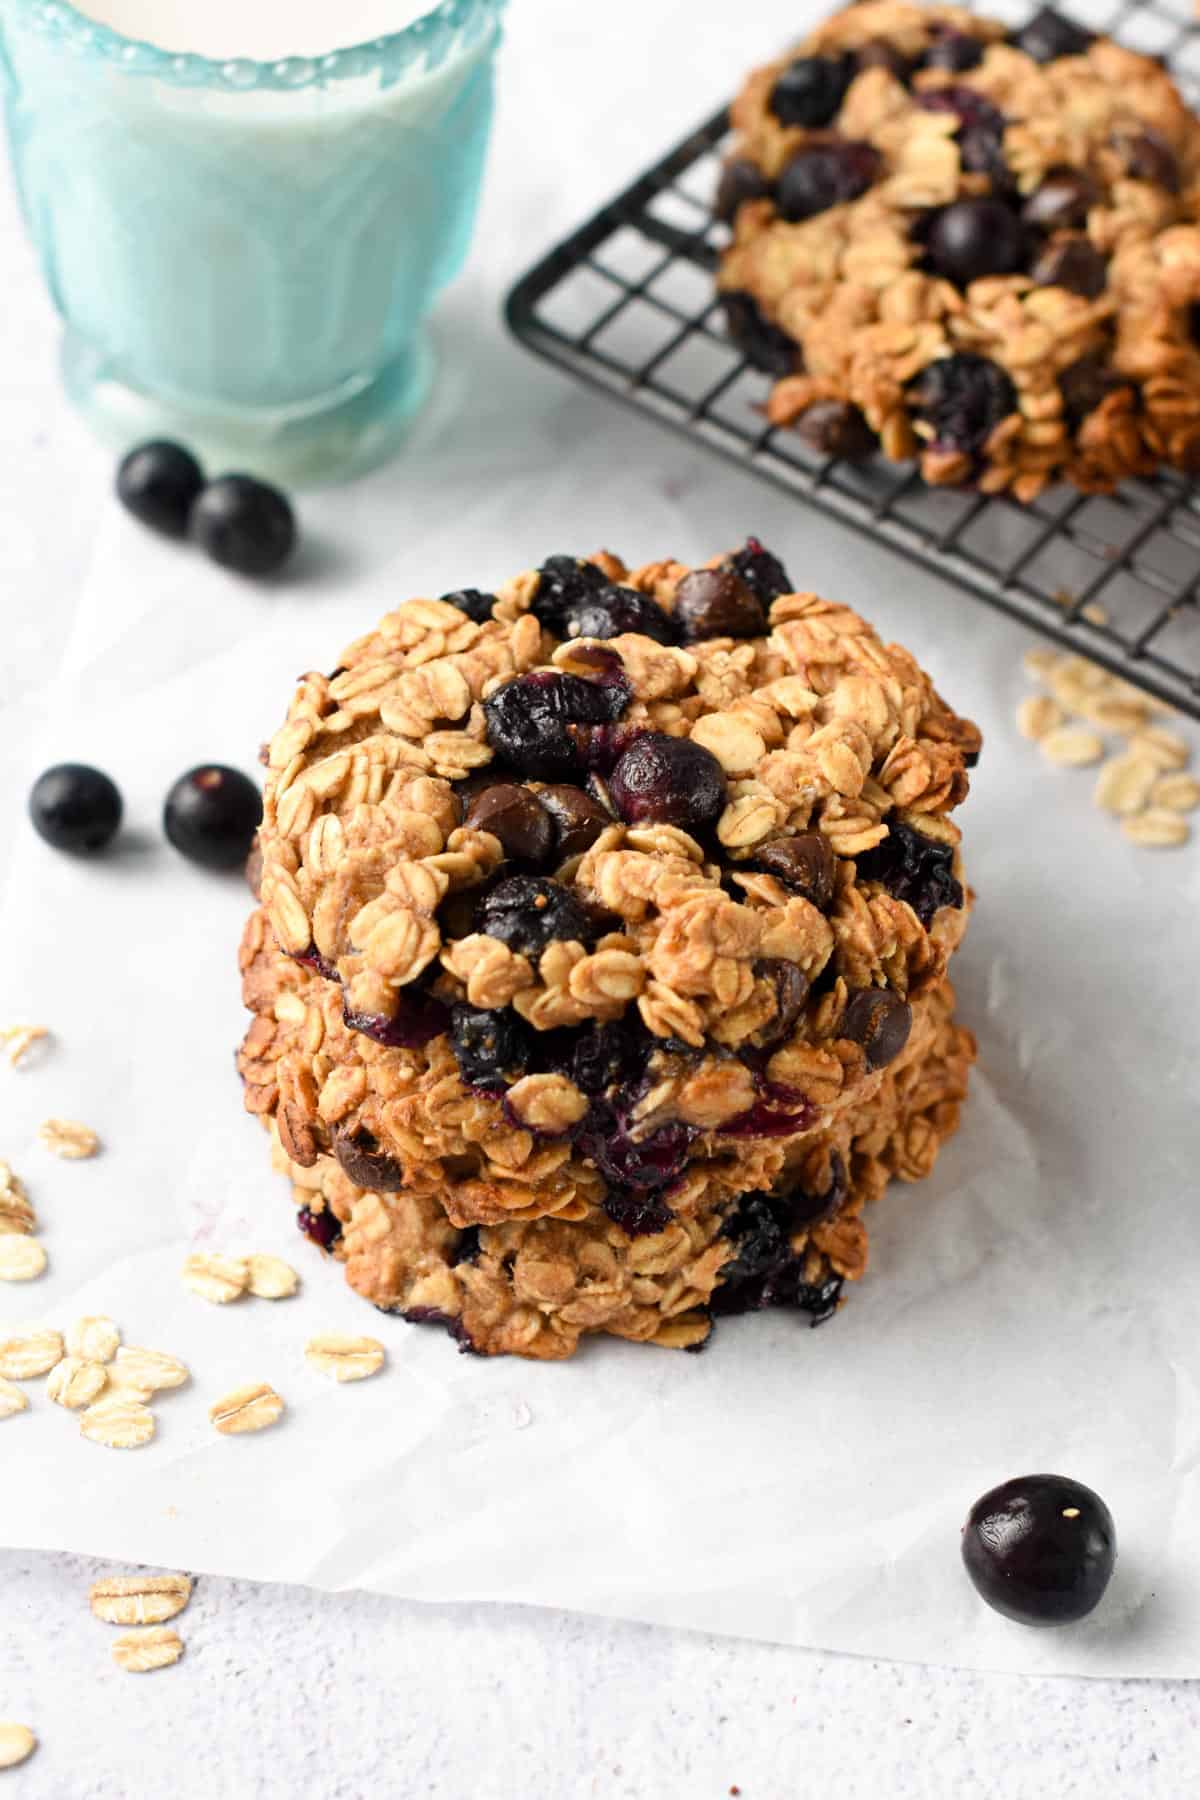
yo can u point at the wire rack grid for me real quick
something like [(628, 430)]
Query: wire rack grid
[(626, 303)]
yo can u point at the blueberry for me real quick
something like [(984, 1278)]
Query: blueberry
[(492, 1049), (578, 819), (1049, 35), (604, 1056), (324, 1227), (760, 342), (517, 818), (765, 1271), (75, 807), (527, 912), (211, 815), (365, 1163), (810, 90), (1072, 263), (712, 603), (639, 1212), (244, 524), (1040, 1549), (956, 51), (159, 483), (474, 602), (913, 868), (741, 180), (878, 1020), (835, 428), (628, 1158), (763, 573), (1062, 200), (964, 397), (668, 780), (415, 1019), (825, 175), (805, 864), (528, 719), (610, 610), (971, 239), (564, 582)]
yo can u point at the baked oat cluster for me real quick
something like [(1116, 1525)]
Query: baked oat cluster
[(975, 247), (599, 975)]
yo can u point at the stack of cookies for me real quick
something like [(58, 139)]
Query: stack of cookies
[(599, 971), (976, 246)]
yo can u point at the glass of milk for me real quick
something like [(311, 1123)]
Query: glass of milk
[(243, 224)]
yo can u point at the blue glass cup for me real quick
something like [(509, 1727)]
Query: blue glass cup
[(244, 254)]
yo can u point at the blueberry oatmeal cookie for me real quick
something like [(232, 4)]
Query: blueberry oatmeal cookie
[(602, 900), (975, 247)]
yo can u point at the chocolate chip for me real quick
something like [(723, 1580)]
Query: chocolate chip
[(878, 1020), (1149, 157), (836, 429), (712, 603), (1072, 263), (1062, 201), (740, 180), (1085, 385), (515, 816), (577, 819), (791, 991), (365, 1163), (805, 864)]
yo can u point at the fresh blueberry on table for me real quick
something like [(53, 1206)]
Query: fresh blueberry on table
[(244, 524), (159, 483), (1040, 1549), (211, 815), (75, 807)]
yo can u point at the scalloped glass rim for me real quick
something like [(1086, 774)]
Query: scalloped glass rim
[(428, 38)]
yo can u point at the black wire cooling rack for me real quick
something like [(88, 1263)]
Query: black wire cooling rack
[(627, 304)]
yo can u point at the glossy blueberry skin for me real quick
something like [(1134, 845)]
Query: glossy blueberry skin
[(211, 815), (1040, 1549), (244, 524), (159, 483), (75, 807)]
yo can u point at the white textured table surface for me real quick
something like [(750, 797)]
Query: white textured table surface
[(289, 1692)]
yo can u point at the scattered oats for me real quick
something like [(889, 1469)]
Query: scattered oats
[(1041, 662), (21, 1258), (1112, 713), (148, 1371), (1071, 747), (74, 1383), (20, 1040), (139, 1599), (121, 1424), (1166, 749), (12, 1399), (250, 1408), (1157, 829), (16, 1743), (33, 1351), (216, 1278), (1178, 793), (271, 1278), (95, 1338), (1094, 613), (1038, 714), (16, 1212), (141, 1651), (69, 1139), (1124, 783), (345, 1358)]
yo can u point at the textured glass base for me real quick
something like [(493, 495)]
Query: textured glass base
[(295, 446)]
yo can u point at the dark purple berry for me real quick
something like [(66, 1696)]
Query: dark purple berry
[(811, 1206), (517, 818), (1049, 35), (628, 1158), (1072, 263), (975, 238), (159, 483), (417, 1018), (611, 610), (1062, 201), (810, 90), (825, 175), (765, 1271), (527, 912), (1040, 1549), (805, 864), (565, 581), (835, 428), (1149, 157), (956, 51), (324, 1227), (760, 342), (244, 524), (604, 1056), (577, 819), (492, 1049), (781, 1113), (75, 807), (668, 780), (211, 815), (913, 868), (964, 397), (741, 180), (1085, 384), (763, 573), (878, 1020), (711, 603), (640, 1212), (474, 602), (528, 719), (312, 959), (365, 1163)]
